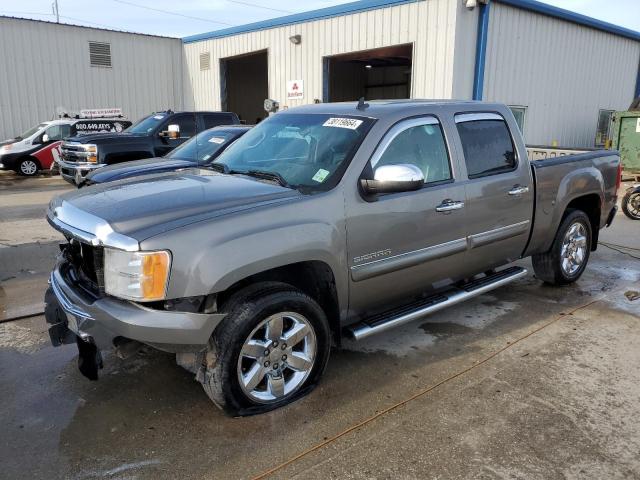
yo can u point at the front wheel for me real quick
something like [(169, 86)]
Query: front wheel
[(28, 167), (271, 348), (631, 204), (567, 258)]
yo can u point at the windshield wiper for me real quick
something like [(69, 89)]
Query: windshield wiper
[(218, 167), (262, 174)]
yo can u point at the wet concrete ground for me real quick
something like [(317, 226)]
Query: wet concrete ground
[(560, 403)]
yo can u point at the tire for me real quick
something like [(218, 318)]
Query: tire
[(631, 204), (568, 256), (28, 167), (229, 382)]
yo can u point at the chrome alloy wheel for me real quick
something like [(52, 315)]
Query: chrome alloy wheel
[(277, 357), (574, 248), (28, 167)]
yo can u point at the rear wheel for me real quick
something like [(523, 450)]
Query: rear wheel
[(567, 258), (270, 349), (28, 167), (631, 204)]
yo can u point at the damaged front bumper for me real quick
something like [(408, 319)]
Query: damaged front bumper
[(100, 323)]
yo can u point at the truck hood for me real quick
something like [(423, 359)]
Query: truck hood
[(111, 138), (144, 207), (147, 166)]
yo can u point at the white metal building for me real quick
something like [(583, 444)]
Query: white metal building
[(47, 68), (562, 73)]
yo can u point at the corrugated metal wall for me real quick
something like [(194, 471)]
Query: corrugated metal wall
[(45, 66), (562, 72), (430, 25)]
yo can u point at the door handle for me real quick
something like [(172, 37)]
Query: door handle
[(518, 190), (449, 205)]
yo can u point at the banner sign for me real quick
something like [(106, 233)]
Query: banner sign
[(101, 113)]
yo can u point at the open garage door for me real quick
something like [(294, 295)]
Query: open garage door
[(245, 85), (382, 73)]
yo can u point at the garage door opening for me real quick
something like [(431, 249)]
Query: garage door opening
[(244, 85), (383, 73)]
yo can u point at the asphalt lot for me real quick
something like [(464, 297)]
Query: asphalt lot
[(528, 381)]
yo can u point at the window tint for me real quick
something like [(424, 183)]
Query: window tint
[(422, 146), (487, 146), (213, 120), (187, 125)]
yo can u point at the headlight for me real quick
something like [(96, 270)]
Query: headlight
[(141, 276), (92, 153)]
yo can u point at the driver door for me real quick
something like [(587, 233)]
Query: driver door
[(404, 244), (187, 128)]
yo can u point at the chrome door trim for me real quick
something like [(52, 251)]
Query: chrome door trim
[(472, 117), (405, 260), (497, 234), (449, 206)]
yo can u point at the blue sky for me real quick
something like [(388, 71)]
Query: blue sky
[(198, 16)]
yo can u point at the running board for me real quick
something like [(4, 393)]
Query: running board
[(408, 313)]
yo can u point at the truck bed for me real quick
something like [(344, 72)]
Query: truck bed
[(562, 179)]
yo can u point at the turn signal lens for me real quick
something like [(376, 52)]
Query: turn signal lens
[(141, 276)]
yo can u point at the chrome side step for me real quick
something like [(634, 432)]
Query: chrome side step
[(383, 322)]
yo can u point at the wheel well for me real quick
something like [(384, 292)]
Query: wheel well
[(314, 278), (589, 204)]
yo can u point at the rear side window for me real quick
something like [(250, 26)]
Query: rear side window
[(487, 145), (214, 119)]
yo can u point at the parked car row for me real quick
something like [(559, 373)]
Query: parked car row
[(322, 222), (39, 147)]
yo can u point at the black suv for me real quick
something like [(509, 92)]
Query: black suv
[(152, 136)]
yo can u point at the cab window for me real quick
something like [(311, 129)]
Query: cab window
[(58, 132), (486, 143), (422, 145)]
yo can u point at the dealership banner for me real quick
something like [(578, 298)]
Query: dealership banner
[(101, 112)]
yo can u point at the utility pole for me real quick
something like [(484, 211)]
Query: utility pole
[(54, 5)]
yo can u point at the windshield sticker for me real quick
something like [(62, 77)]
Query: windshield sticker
[(350, 123), (158, 117), (206, 157), (217, 140), (320, 175)]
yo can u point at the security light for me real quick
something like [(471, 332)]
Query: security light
[(295, 39)]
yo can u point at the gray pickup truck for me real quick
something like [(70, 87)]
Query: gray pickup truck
[(323, 221)]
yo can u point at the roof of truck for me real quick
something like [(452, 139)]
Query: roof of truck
[(380, 108)]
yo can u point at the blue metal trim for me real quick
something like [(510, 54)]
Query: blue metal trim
[(637, 94), (481, 51), (573, 17), (335, 11)]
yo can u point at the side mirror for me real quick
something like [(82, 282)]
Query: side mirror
[(402, 177), (45, 138), (173, 132)]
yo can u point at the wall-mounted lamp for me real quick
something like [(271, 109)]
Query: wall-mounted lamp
[(296, 39), (471, 4)]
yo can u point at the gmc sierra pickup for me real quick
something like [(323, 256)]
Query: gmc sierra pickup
[(322, 221), (152, 136)]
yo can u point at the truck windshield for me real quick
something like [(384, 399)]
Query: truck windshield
[(205, 146), (31, 131), (307, 151), (147, 124)]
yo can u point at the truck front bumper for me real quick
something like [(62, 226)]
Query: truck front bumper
[(73, 315), (74, 173)]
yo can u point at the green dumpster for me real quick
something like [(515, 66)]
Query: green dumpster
[(625, 131)]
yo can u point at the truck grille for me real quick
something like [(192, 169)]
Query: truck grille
[(73, 152), (87, 262)]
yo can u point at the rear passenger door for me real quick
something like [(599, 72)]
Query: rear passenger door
[(498, 189), (210, 120)]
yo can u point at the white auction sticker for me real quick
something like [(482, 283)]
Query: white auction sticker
[(217, 140), (341, 122), (320, 175)]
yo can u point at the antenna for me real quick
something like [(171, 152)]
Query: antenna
[(56, 12), (361, 104)]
